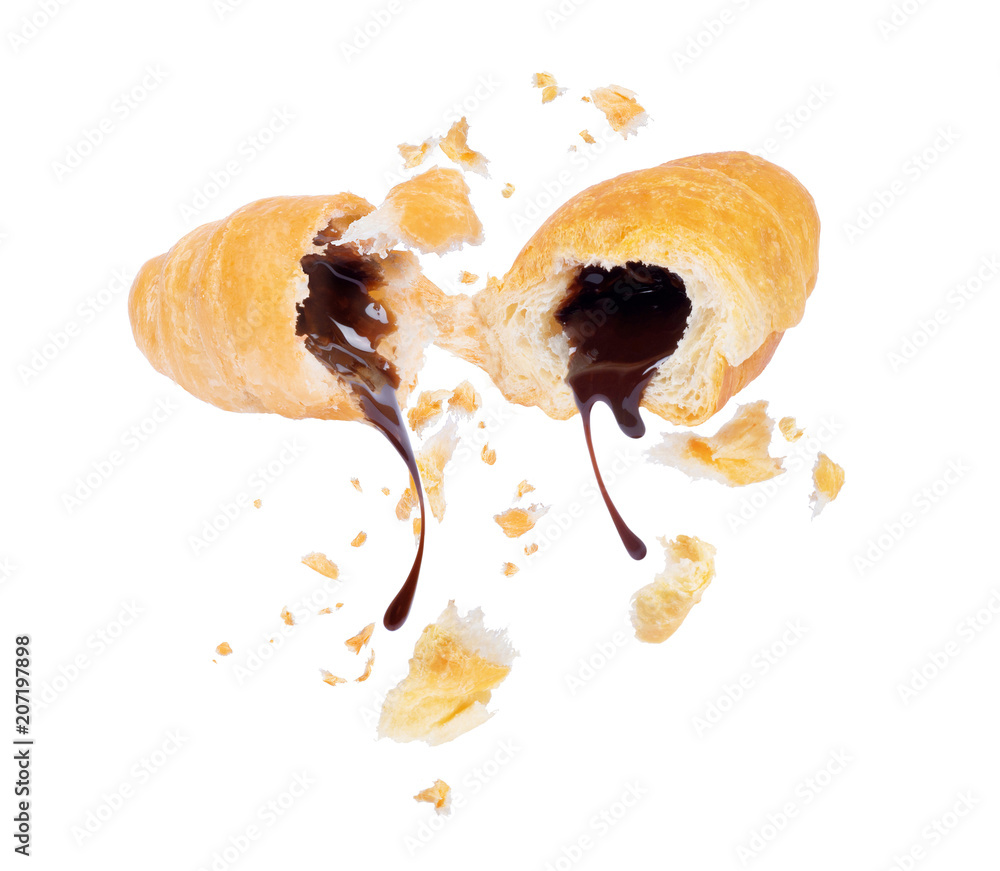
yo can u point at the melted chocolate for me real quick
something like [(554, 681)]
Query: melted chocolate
[(343, 323), (622, 323)]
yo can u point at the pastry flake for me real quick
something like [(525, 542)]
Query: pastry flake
[(515, 522), (659, 608), (406, 503), (224, 649), (509, 569), (456, 146), (361, 639), (524, 487), (465, 398), (257, 503), (413, 155), (319, 562), (432, 459), (430, 212), (457, 663), (529, 549), (621, 108), (550, 88), (466, 277), (586, 137), (736, 455), (790, 429), (356, 484), (359, 539), (488, 454), (438, 795), (427, 410), (367, 673), (287, 617), (507, 191), (330, 678), (828, 478)]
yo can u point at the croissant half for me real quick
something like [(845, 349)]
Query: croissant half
[(742, 234)]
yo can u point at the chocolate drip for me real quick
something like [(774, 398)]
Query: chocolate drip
[(343, 322), (623, 323)]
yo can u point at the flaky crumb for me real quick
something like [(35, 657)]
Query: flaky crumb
[(367, 673), (736, 455), (659, 608), (413, 155), (325, 611), (287, 617), (550, 88), (404, 507), (456, 664), (427, 410), (456, 146), (509, 569), (529, 549), (507, 191), (330, 678), (465, 277), (621, 108), (319, 562), (418, 524), (465, 398), (828, 478), (224, 649), (438, 795), (361, 639), (356, 484), (385, 491), (524, 487), (586, 137), (432, 460), (489, 455), (482, 424), (515, 522), (584, 99), (359, 539), (257, 503), (790, 429)]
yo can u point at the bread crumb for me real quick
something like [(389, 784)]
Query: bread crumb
[(325, 611), (356, 484), (457, 663), (736, 455), (361, 639), (584, 99), (330, 678), (465, 277), (257, 503), (434, 456), (224, 649), (507, 191), (489, 455), (659, 608), (586, 137), (790, 430), (404, 506), (509, 569), (515, 522), (828, 478), (359, 539), (456, 146), (621, 108), (550, 88), (524, 487), (482, 424), (529, 549), (286, 615), (427, 410), (367, 673), (438, 795), (413, 155), (385, 491), (465, 398), (430, 212), (319, 562)]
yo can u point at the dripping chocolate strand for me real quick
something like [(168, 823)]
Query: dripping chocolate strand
[(623, 323)]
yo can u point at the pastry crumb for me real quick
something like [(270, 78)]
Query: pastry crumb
[(524, 487), (257, 503), (586, 137), (828, 478), (482, 424), (325, 611), (330, 678), (456, 146), (287, 617), (224, 649), (361, 639), (359, 539), (529, 549), (515, 522), (489, 455), (438, 795), (413, 155), (735, 456), (319, 562), (550, 87), (659, 608), (427, 410), (457, 663), (621, 108), (509, 569), (465, 398), (790, 429), (385, 491), (356, 484), (432, 460), (407, 501), (367, 673), (418, 524), (466, 277), (507, 191)]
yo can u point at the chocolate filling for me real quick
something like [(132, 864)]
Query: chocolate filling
[(623, 323), (343, 322)]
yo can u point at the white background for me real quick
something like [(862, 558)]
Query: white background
[(854, 108)]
